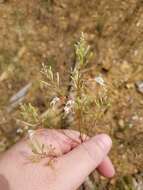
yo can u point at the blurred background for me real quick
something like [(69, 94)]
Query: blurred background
[(37, 31)]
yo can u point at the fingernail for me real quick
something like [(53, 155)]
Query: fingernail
[(104, 141)]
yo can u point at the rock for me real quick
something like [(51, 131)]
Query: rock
[(120, 136), (21, 93), (121, 123), (6, 73), (135, 118), (139, 86), (17, 98), (106, 65), (129, 85), (100, 80)]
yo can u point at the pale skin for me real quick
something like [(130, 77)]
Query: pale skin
[(74, 161)]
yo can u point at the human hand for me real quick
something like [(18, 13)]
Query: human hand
[(73, 162)]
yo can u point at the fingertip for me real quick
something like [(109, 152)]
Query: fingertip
[(106, 168), (84, 159)]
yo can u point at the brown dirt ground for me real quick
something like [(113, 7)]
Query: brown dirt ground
[(36, 31)]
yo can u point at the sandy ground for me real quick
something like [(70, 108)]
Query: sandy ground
[(36, 31)]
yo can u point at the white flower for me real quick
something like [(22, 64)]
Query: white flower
[(67, 109), (54, 101), (69, 105), (19, 130), (100, 80), (31, 134)]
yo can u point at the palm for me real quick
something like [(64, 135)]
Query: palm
[(64, 167)]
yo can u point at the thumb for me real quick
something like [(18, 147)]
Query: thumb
[(81, 161)]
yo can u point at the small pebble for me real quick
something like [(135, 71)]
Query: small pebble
[(119, 136), (106, 66), (139, 86), (129, 85), (100, 80), (135, 118), (121, 123)]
